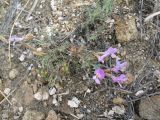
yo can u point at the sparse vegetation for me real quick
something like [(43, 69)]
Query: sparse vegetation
[(99, 11), (60, 49)]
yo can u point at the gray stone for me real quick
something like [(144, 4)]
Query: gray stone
[(149, 108), (126, 30), (33, 115), (52, 115), (24, 95), (13, 74)]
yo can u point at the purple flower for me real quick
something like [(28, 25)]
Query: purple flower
[(119, 66), (15, 38), (120, 79), (99, 75), (111, 51), (97, 80)]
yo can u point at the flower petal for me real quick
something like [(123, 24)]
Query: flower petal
[(96, 79), (101, 58), (120, 79), (100, 73), (111, 51), (119, 66)]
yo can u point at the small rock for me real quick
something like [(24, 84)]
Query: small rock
[(13, 74), (89, 111), (45, 96), (52, 91), (52, 115), (7, 91), (126, 29), (119, 110), (16, 117), (22, 57), (105, 113), (39, 49), (33, 115), (30, 67), (80, 116), (60, 18), (36, 30), (55, 102), (118, 100), (74, 103), (111, 113), (20, 109), (149, 108), (29, 18), (5, 116), (41, 96), (24, 95), (38, 96), (88, 91), (139, 93), (60, 98)]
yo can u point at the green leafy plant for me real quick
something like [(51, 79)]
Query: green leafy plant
[(95, 18), (102, 9)]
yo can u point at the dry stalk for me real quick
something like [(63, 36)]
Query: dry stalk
[(151, 16), (9, 45), (32, 9), (5, 97)]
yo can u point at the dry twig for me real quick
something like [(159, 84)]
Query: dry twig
[(5, 97), (9, 45), (32, 9), (151, 16)]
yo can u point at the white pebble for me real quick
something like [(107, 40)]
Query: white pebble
[(119, 110), (30, 67), (111, 113), (55, 102), (38, 96), (80, 116), (7, 91), (20, 109), (105, 113), (60, 18), (52, 91), (29, 18), (41, 96), (39, 49), (139, 93), (35, 30), (74, 103), (22, 57), (45, 96), (16, 117), (88, 91)]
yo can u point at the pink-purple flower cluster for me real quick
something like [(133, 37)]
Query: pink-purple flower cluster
[(110, 52), (99, 75), (117, 74)]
